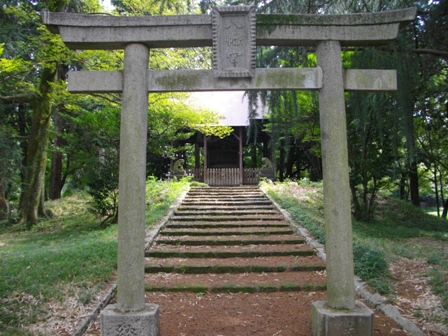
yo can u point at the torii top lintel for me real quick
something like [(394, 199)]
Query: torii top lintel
[(87, 31)]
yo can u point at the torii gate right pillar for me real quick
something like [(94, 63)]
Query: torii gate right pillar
[(340, 313)]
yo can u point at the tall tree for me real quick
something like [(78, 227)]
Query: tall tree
[(52, 52), (46, 53)]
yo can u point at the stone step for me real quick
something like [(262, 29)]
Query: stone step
[(216, 202), (221, 218), (236, 282), (228, 190), (238, 197), (224, 232), (226, 201), (223, 251), (226, 207), (231, 192), (230, 240), (235, 265), (225, 254), (228, 212), (219, 269), (243, 197), (224, 224), (240, 240)]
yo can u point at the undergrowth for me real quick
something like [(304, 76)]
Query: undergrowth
[(70, 250), (384, 239)]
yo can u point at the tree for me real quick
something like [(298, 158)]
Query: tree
[(51, 52), (47, 56)]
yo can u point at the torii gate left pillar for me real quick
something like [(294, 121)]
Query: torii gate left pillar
[(131, 316), (340, 314)]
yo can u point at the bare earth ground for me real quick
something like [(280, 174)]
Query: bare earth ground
[(278, 313), (414, 299), (270, 314)]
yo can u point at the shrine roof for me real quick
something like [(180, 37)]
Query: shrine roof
[(231, 105)]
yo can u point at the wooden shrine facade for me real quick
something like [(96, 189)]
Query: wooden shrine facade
[(223, 159)]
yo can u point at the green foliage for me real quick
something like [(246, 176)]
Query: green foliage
[(435, 259), (103, 187), (11, 155), (139, 7), (37, 266), (370, 262), (66, 256), (160, 195), (303, 213), (402, 214), (293, 118), (394, 233), (439, 282)]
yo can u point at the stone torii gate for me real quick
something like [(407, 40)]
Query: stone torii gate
[(234, 32)]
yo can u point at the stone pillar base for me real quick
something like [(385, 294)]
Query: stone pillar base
[(333, 322), (141, 323)]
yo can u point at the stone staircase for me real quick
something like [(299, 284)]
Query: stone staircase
[(230, 240)]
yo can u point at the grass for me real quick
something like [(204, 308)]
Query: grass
[(432, 211), (67, 251), (399, 230), (69, 255)]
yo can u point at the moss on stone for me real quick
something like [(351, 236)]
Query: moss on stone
[(186, 81)]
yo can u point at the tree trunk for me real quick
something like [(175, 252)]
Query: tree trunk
[(413, 183), (442, 195), (315, 168), (41, 212), (436, 187), (290, 160), (411, 157), (37, 150), (56, 162), (445, 209), (403, 194), (356, 206), (281, 161), (253, 156), (3, 204), (56, 180)]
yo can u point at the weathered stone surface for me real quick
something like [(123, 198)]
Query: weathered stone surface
[(142, 323), (177, 169), (234, 45), (337, 211), (198, 80), (370, 80), (204, 80), (81, 31), (267, 169), (331, 322), (132, 178)]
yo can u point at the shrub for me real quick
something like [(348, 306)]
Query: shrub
[(103, 187), (369, 262)]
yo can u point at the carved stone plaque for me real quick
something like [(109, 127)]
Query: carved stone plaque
[(234, 41)]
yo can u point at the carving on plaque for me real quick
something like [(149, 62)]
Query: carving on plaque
[(234, 41)]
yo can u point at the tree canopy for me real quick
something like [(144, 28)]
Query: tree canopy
[(52, 141)]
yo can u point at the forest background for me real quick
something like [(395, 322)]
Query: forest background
[(53, 143)]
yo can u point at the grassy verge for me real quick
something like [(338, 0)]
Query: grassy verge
[(68, 255), (399, 230)]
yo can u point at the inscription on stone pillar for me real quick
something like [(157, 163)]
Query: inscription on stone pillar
[(234, 41)]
